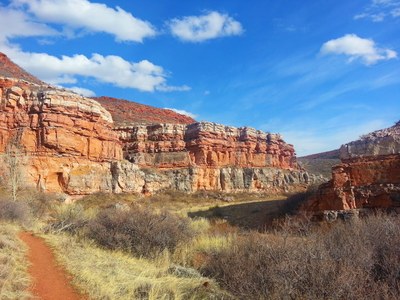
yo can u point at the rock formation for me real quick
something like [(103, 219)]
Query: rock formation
[(367, 177), (72, 145)]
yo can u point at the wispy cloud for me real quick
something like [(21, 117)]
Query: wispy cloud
[(205, 27), (82, 91), (355, 47), (170, 88), (92, 17), (182, 112), (379, 10)]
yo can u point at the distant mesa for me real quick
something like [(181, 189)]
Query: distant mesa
[(320, 163), (333, 154)]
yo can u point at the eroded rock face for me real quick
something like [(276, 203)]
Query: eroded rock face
[(367, 177), (209, 156), (205, 144), (70, 144), (56, 130)]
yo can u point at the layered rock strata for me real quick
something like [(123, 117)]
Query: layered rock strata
[(204, 144), (69, 144), (209, 156), (367, 177), (56, 131)]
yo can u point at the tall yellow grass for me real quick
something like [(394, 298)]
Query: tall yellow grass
[(14, 277), (104, 274)]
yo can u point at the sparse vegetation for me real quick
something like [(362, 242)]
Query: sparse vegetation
[(354, 260), (14, 278), (16, 211), (139, 231), (106, 274), (139, 251)]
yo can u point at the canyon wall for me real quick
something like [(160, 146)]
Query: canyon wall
[(367, 177), (57, 132), (71, 145), (209, 156)]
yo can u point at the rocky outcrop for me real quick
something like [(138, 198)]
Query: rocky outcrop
[(205, 144), (367, 177), (209, 156), (70, 144), (56, 131)]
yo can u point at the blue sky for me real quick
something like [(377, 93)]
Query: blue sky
[(319, 72)]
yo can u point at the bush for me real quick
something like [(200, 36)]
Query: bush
[(139, 231), (67, 218), (294, 201), (353, 260), (14, 211)]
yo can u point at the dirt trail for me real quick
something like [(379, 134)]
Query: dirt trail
[(50, 281)]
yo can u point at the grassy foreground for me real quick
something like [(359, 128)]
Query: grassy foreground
[(105, 274), (14, 278)]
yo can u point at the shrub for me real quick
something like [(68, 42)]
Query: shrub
[(294, 201), (14, 211), (68, 218), (348, 260), (139, 231)]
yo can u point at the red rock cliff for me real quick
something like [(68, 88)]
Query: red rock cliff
[(205, 144), (71, 145), (56, 130), (368, 177)]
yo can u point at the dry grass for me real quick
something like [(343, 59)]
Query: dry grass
[(354, 260), (105, 274), (14, 277), (139, 231)]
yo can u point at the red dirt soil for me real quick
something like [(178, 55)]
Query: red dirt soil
[(126, 112), (50, 281)]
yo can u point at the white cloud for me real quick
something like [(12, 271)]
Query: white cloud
[(379, 10), (95, 17), (358, 48), (15, 23), (182, 112), (82, 91), (143, 75), (168, 88), (201, 28)]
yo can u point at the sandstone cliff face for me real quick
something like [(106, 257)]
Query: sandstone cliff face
[(56, 130), (204, 144), (209, 156), (71, 145), (368, 177)]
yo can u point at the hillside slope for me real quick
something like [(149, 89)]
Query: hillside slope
[(320, 163), (126, 112), (10, 69)]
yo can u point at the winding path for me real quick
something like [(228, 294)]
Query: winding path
[(50, 281)]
